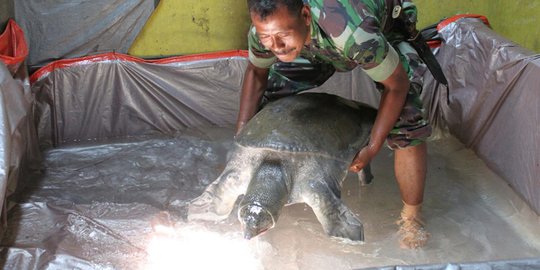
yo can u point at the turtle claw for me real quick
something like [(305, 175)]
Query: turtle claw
[(353, 233), (364, 176), (346, 226)]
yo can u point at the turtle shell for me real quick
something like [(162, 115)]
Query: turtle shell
[(316, 123)]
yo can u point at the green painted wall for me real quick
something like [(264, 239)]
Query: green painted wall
[(516, 20), (193, 26)]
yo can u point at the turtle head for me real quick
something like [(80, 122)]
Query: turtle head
[(255, 220)]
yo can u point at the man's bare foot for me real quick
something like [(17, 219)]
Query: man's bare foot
[(412, 232), (411, 228)]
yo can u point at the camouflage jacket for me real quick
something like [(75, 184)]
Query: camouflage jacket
[(345, 33)]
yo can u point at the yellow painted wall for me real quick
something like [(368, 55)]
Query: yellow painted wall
[(180, 27)]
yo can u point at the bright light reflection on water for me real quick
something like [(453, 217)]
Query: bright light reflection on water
[(196, 248)]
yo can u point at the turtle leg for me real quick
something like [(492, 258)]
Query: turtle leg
[(364, 176), (321, 191), (218, 199)]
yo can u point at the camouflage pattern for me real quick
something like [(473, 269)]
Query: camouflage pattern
[(412, 128), (290, 78), (346, 34)]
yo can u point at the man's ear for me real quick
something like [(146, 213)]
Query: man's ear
[(306, 14)]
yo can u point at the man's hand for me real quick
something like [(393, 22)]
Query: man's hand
[(363, 157), (392, 99), (239, 126)]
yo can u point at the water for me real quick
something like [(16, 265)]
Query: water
[(96, 205)]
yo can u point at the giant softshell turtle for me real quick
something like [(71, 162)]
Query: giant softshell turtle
[(296, 149)]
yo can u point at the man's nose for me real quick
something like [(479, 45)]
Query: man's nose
[(277, 44)]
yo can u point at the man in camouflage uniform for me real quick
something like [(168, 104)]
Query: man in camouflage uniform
[(340, 35)]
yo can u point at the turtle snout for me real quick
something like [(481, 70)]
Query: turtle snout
[(255, 220), (250, 233)]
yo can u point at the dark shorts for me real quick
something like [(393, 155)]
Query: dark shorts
[(411, 129)]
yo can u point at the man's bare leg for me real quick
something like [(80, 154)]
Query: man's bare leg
[(410, 168)]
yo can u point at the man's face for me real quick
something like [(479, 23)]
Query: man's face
[(284, 33)]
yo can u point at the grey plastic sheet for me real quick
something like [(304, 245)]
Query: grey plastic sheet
[(18, 146), (68, 29), (118, 97), (113, 96), (493, 106), (533, 264)]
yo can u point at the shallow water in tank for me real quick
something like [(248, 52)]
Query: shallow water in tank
[(122, 205)]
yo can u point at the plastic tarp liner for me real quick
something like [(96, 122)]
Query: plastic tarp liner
[(113, 96), (494, 102), (133, 97), (120, 96), (532, 264), (13, 47), (68, 29), (18, 146)]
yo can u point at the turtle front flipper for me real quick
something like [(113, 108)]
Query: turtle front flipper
[(336, 218), (364, 176), (215, 203), (218, 199)]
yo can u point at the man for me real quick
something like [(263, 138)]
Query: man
[(341, 35)]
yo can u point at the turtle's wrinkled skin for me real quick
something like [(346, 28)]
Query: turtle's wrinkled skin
[(296, 149)]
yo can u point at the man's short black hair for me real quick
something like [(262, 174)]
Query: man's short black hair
[(264, 8)]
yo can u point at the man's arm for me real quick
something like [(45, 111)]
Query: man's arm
[(253, 87), (392, 101)]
